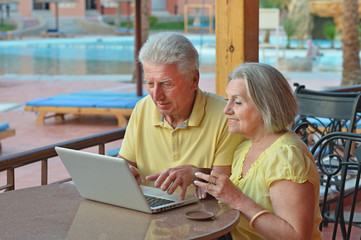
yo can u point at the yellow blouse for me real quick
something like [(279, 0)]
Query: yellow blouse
[(286, 159)]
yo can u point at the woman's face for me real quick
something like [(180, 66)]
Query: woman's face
[(243, 116)]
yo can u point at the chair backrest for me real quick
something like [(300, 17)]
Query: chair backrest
[(338, 168), (325, 112)]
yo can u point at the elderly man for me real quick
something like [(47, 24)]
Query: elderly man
[(178, 127)]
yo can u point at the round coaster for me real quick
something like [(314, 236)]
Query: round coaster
[(199, 215)]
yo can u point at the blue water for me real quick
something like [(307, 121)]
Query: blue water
[(73, 56), (115, 55)]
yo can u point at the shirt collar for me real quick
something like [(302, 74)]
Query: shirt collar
[(195, 117)]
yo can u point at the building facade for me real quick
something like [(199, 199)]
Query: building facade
[(107, 7)]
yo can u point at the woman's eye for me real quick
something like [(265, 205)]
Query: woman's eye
[(238, 102), (226, 99)]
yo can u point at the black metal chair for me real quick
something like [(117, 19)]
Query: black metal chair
[(336, 165), (322, 112)]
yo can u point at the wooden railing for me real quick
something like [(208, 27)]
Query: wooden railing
[(43, 154), (354, 88)]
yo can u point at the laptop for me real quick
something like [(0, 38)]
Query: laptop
[(109, 180)]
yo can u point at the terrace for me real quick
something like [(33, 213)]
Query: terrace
[(30, 160)]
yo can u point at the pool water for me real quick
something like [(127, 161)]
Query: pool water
[(73, 56), (115, 55)]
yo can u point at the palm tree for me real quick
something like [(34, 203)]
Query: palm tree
[(351, 73)]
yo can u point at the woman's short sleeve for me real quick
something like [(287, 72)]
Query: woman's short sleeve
[(290, 162)]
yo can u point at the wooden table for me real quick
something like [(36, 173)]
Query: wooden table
[(58, 212)]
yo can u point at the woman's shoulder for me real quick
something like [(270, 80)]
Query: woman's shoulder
[(289, 149), (293, 141)]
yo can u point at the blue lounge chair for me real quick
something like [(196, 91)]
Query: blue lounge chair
[(124, 31), (10, 35), (5, 131), (53, 33), (120, 104)]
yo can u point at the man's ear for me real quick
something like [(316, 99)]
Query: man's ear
[(195, 79)]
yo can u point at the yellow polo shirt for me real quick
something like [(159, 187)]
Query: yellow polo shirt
[(203, 140)]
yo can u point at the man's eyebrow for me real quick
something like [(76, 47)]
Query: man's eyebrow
[(166, 80)]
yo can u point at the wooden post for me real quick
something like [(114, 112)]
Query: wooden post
[(236, 37), (44, 172), (10, 173), (138, 45)]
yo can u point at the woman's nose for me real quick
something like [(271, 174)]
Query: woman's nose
[(227, 109)]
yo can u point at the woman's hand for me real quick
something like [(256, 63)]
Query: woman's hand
[(221, 187)]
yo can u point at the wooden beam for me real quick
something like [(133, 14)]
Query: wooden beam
[(237, 33)]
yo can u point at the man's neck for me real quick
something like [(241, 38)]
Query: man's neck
[(175, 121)]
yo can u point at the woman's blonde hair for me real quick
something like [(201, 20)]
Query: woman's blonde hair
[(270, 92)]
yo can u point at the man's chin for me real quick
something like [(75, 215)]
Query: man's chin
[(163, 111)]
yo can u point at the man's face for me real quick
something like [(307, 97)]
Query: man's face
[(171, 92)]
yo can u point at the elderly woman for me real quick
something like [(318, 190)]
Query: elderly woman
[(274, 181)]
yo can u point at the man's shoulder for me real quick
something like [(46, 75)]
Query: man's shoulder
[(144, 102), (214, 99)]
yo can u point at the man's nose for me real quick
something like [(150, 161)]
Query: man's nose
[(158, 93)]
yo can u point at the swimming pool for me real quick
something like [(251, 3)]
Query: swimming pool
[(81, 56), (115, 55)]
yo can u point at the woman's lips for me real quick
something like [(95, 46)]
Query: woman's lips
[(232, 120)]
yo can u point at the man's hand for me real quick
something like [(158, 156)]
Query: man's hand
[(136, 174), (134, 169), (171, 178)]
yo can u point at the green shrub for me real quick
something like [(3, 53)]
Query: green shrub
[(6, 27), (329, 30), (290, 28), (152, 20)]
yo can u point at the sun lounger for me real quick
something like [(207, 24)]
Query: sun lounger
[(5, 131), (56, 34), (119, 104), (113, 152), (10, 35), (124, 31)]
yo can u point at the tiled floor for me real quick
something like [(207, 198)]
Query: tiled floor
[(29, 135), (355, 232)]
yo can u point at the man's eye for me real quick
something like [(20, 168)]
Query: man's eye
[(166, 85), (149, 84)]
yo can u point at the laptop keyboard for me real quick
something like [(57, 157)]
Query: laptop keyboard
[(155, 202)]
